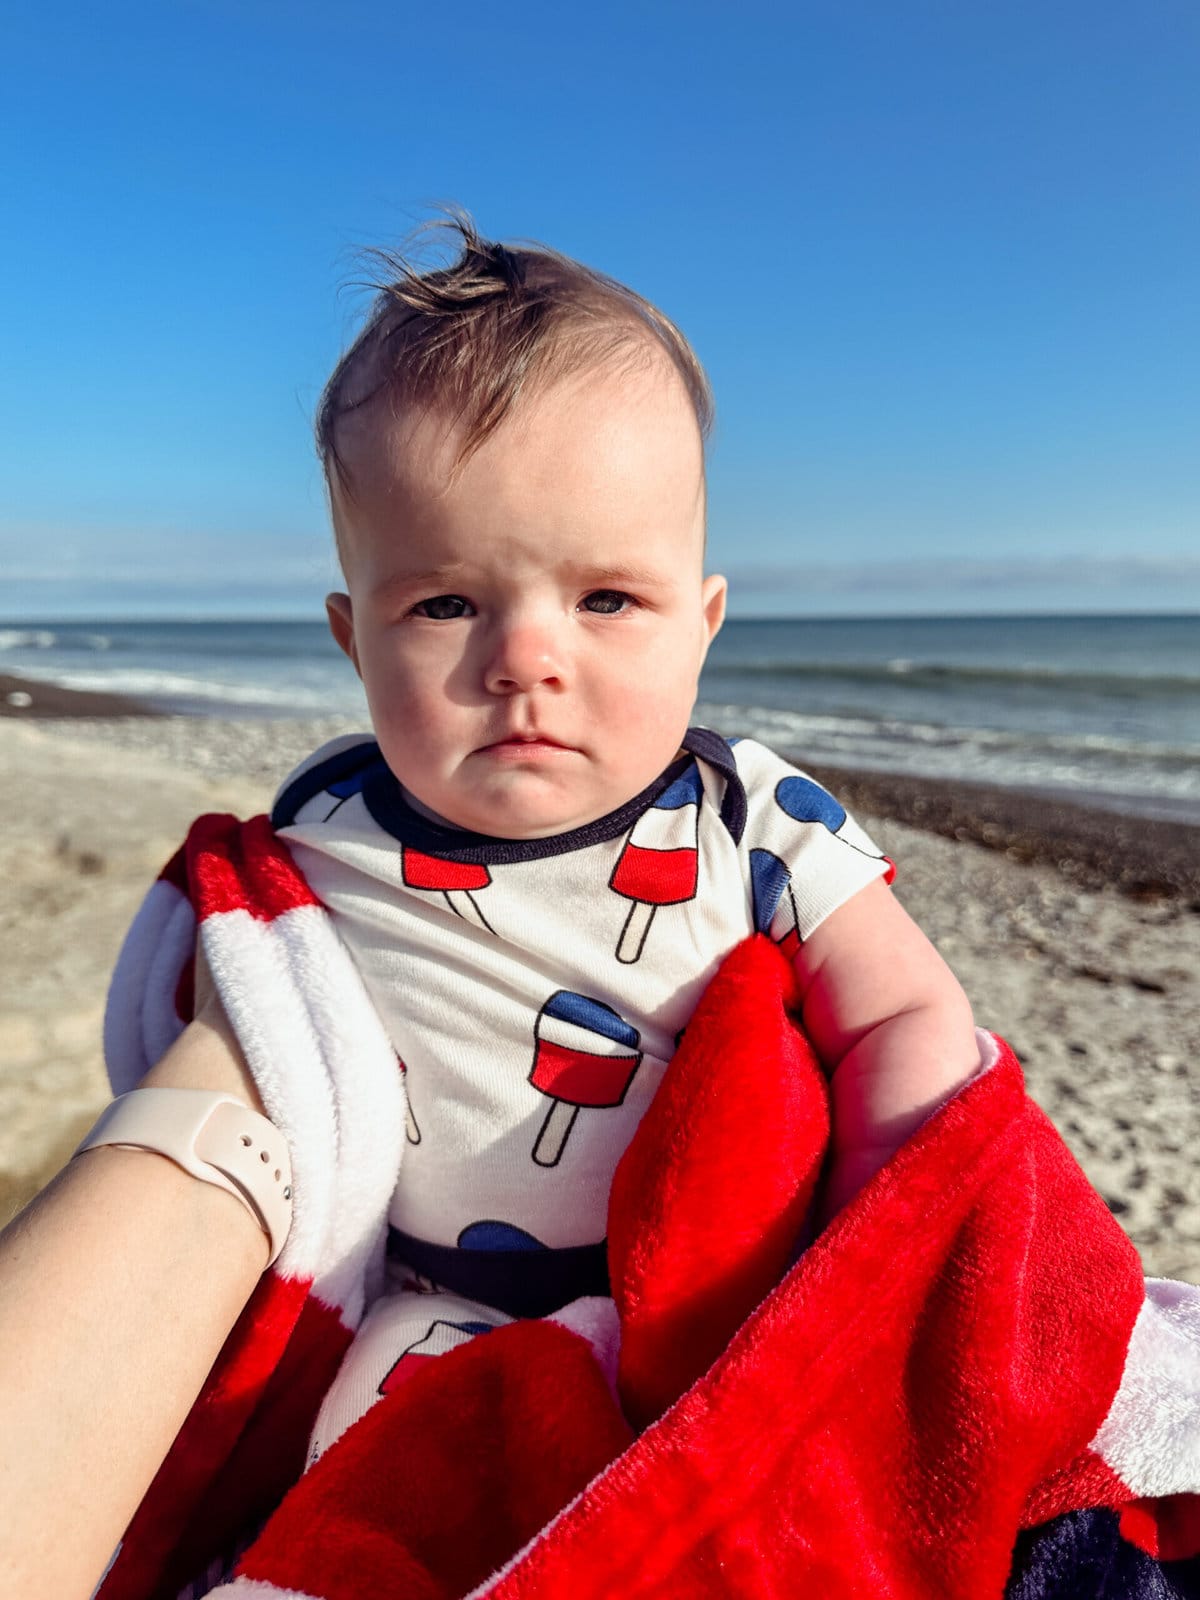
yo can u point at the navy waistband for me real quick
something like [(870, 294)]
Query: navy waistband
[(521, 1283)]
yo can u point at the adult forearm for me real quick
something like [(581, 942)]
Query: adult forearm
[(118, 1286)]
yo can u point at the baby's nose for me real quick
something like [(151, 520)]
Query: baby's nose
[(525, 655)]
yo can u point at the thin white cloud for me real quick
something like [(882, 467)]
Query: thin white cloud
[(967, 575), (33, 553)]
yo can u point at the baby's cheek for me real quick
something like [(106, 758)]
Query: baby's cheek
[(673, 655)]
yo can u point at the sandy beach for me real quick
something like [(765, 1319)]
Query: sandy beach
[(1075, 932)]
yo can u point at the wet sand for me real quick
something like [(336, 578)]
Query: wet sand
[(30, 699), (1076, 933)]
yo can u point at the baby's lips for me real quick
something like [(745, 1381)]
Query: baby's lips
[(528, 738)]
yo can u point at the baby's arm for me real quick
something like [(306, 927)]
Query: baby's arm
[(891, 1025)]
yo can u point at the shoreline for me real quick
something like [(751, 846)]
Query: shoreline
[(36, 699), (1090, 845)]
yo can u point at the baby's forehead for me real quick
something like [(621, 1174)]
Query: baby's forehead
[(393, 439), (607, 474)]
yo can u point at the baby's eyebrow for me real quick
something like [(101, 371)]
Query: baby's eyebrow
[(443, 577), (615, 577)]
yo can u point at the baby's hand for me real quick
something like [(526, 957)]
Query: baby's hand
[(892, 1027)]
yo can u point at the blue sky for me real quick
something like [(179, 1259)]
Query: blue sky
[(939, 257)]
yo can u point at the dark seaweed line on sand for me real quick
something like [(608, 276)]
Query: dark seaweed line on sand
[(53, 700), (1145, 858)]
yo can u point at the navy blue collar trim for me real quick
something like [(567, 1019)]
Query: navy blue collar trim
[(363, 767), (716, 753), (350, 768)]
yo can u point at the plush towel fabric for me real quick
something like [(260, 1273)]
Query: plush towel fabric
[(963, 1388)]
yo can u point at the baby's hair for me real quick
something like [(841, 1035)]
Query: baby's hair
[(472, 336)]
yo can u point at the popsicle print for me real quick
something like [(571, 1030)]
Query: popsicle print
[(805, 801), (584, 1054), (455, 881), (437, 1339), (411, 1131), (774, 903), (490, 1234), (659, 864)]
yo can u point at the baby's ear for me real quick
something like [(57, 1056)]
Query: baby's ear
[(340, 610), (713, 595)]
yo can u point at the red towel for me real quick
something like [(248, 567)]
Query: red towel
[(965, 1364)]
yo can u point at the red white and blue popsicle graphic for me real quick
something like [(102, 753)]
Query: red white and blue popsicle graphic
[(774, 903), (437, 1339), (584, 1054), (456, 881), (659, 865), (804, 800)]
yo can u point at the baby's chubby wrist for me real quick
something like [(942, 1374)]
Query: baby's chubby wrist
[(901, 1073)]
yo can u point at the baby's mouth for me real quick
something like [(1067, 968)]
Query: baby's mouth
[(527, 738), (526, 741)]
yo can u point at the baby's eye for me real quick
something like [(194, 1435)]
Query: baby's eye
[(443, 607), (606, 602)]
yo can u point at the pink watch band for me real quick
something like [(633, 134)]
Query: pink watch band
[(217, 1139)]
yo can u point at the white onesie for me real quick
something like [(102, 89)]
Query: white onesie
[(535, 991)]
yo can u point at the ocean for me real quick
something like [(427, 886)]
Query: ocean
[(1102, 708)]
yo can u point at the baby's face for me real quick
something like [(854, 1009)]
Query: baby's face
[(530, 630)]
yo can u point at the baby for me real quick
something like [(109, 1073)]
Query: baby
[(536, 864)]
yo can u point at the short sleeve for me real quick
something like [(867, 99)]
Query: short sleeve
[(805, 855)]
